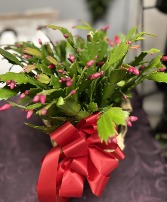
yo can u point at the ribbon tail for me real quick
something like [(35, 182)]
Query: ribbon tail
[(46, 186)]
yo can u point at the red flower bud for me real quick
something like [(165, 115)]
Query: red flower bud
[(164, 58), (51, 66), (100, 64), (5, 107), (142, 67), (162, 69), (117, 40)]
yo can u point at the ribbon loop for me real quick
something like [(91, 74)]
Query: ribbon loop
[(83, 156)]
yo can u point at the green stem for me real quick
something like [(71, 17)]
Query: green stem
[(82, 73)]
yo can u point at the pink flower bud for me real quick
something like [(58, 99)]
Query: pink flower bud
[(131, 69), (128, 42), (164, 58), (22, 95), (12, 85), (68, 79), (96, 75), (129, 124), (8, 82), (125, 96), (133, 118), (43, 111), (51, 66), (90, 63), (66, 35), (136, 71), (105, 28), (117, 40), (96, 57), (26, 56), (27, 92), (63, 79), (162, 69), (111, 43), (72, 92), (71, 58), (5, 107), (36, 98), (61, 71), (29, 114), (40, 41), (42, 98), (69, 83)]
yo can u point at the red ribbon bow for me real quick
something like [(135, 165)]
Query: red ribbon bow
[(79, 156)]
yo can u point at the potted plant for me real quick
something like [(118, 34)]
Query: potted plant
[(81, 90)]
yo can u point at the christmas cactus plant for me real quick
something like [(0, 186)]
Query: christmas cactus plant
[(76, 78)]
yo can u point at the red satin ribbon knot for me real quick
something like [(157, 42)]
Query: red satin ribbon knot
[(79, 155)]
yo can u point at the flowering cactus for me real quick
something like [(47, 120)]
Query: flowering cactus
[(76, 78)]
